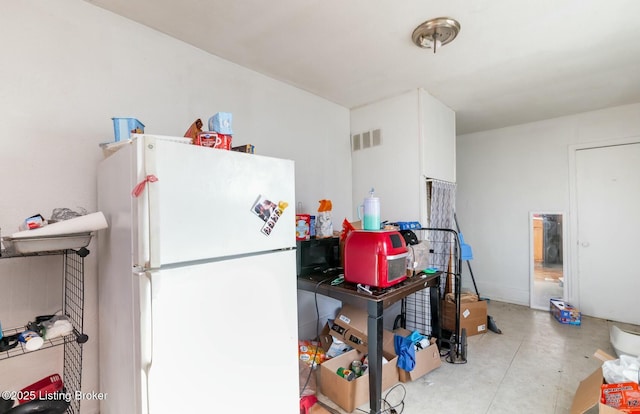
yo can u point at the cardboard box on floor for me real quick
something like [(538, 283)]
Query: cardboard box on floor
[(332, 346), (325, 338), (473, 316), (350, 327), (427, 360), (587, 397), (318, 409), (351, 394), (565, 312)]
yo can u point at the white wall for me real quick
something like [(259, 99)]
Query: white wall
[(393, 166), (67, 68), (504, 174), (438, 146), (418, 140)]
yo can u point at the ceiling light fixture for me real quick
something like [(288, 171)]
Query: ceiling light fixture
[(435, 33)]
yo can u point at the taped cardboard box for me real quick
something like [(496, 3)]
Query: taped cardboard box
[(325, 338), (350, 326), (587, 396), (427, 360), (473, 317), (318, 409), (351, 394), (332, 346)]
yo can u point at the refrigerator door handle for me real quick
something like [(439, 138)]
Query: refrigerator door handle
[(146, 337), (153, 195)]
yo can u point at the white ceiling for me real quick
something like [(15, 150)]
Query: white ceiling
[(514, 61)]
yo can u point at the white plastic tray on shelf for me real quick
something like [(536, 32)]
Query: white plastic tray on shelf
[(46, 243)]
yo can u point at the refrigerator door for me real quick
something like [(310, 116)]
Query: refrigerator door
[(224, 336), (206, 202)]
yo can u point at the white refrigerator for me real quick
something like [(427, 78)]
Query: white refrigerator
[(197, 280)]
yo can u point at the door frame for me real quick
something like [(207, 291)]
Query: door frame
[(572, 278), (532, 264)]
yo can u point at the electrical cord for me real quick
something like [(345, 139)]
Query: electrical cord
[(391, 409), (315, 297)]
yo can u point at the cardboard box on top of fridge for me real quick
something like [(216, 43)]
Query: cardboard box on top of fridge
[(351, 394), (350, 326), (221, 123), (473, 316), (248, 148), (587, 396), (427, 359)]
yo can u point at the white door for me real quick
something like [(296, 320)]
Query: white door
[(608, 196), (224, 337), (205, 202)]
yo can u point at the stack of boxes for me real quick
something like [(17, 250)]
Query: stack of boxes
[(350, 328), (219, 134)]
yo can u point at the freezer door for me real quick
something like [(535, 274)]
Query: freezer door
[(211, 203), (225, 337)]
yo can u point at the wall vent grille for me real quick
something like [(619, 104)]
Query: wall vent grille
[(366, 139), (355, 142)]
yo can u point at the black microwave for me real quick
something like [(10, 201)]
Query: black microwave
[(317, 255)]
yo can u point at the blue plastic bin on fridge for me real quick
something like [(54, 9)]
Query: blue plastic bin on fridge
[(124, 127), (221, 123)]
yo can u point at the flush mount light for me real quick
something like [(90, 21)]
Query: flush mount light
[(435, 33)]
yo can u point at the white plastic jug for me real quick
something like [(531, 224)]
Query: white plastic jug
[(370, 214)]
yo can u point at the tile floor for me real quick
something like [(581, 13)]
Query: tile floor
[(533, 367), (546, 284)]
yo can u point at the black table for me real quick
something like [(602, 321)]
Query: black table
[(375, 303)]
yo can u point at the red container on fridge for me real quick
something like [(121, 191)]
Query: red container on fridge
[(38, 390)]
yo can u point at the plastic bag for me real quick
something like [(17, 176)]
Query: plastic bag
[(419, 255), (59, 325), (324, 223), (307, 379), (63, 213), (624, 369), (311, 353)]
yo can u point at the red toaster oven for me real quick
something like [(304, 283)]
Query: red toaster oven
[(375, 258)]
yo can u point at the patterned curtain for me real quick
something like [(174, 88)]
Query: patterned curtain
[(443, 202)]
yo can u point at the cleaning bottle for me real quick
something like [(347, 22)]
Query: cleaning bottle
[(371, 212)]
